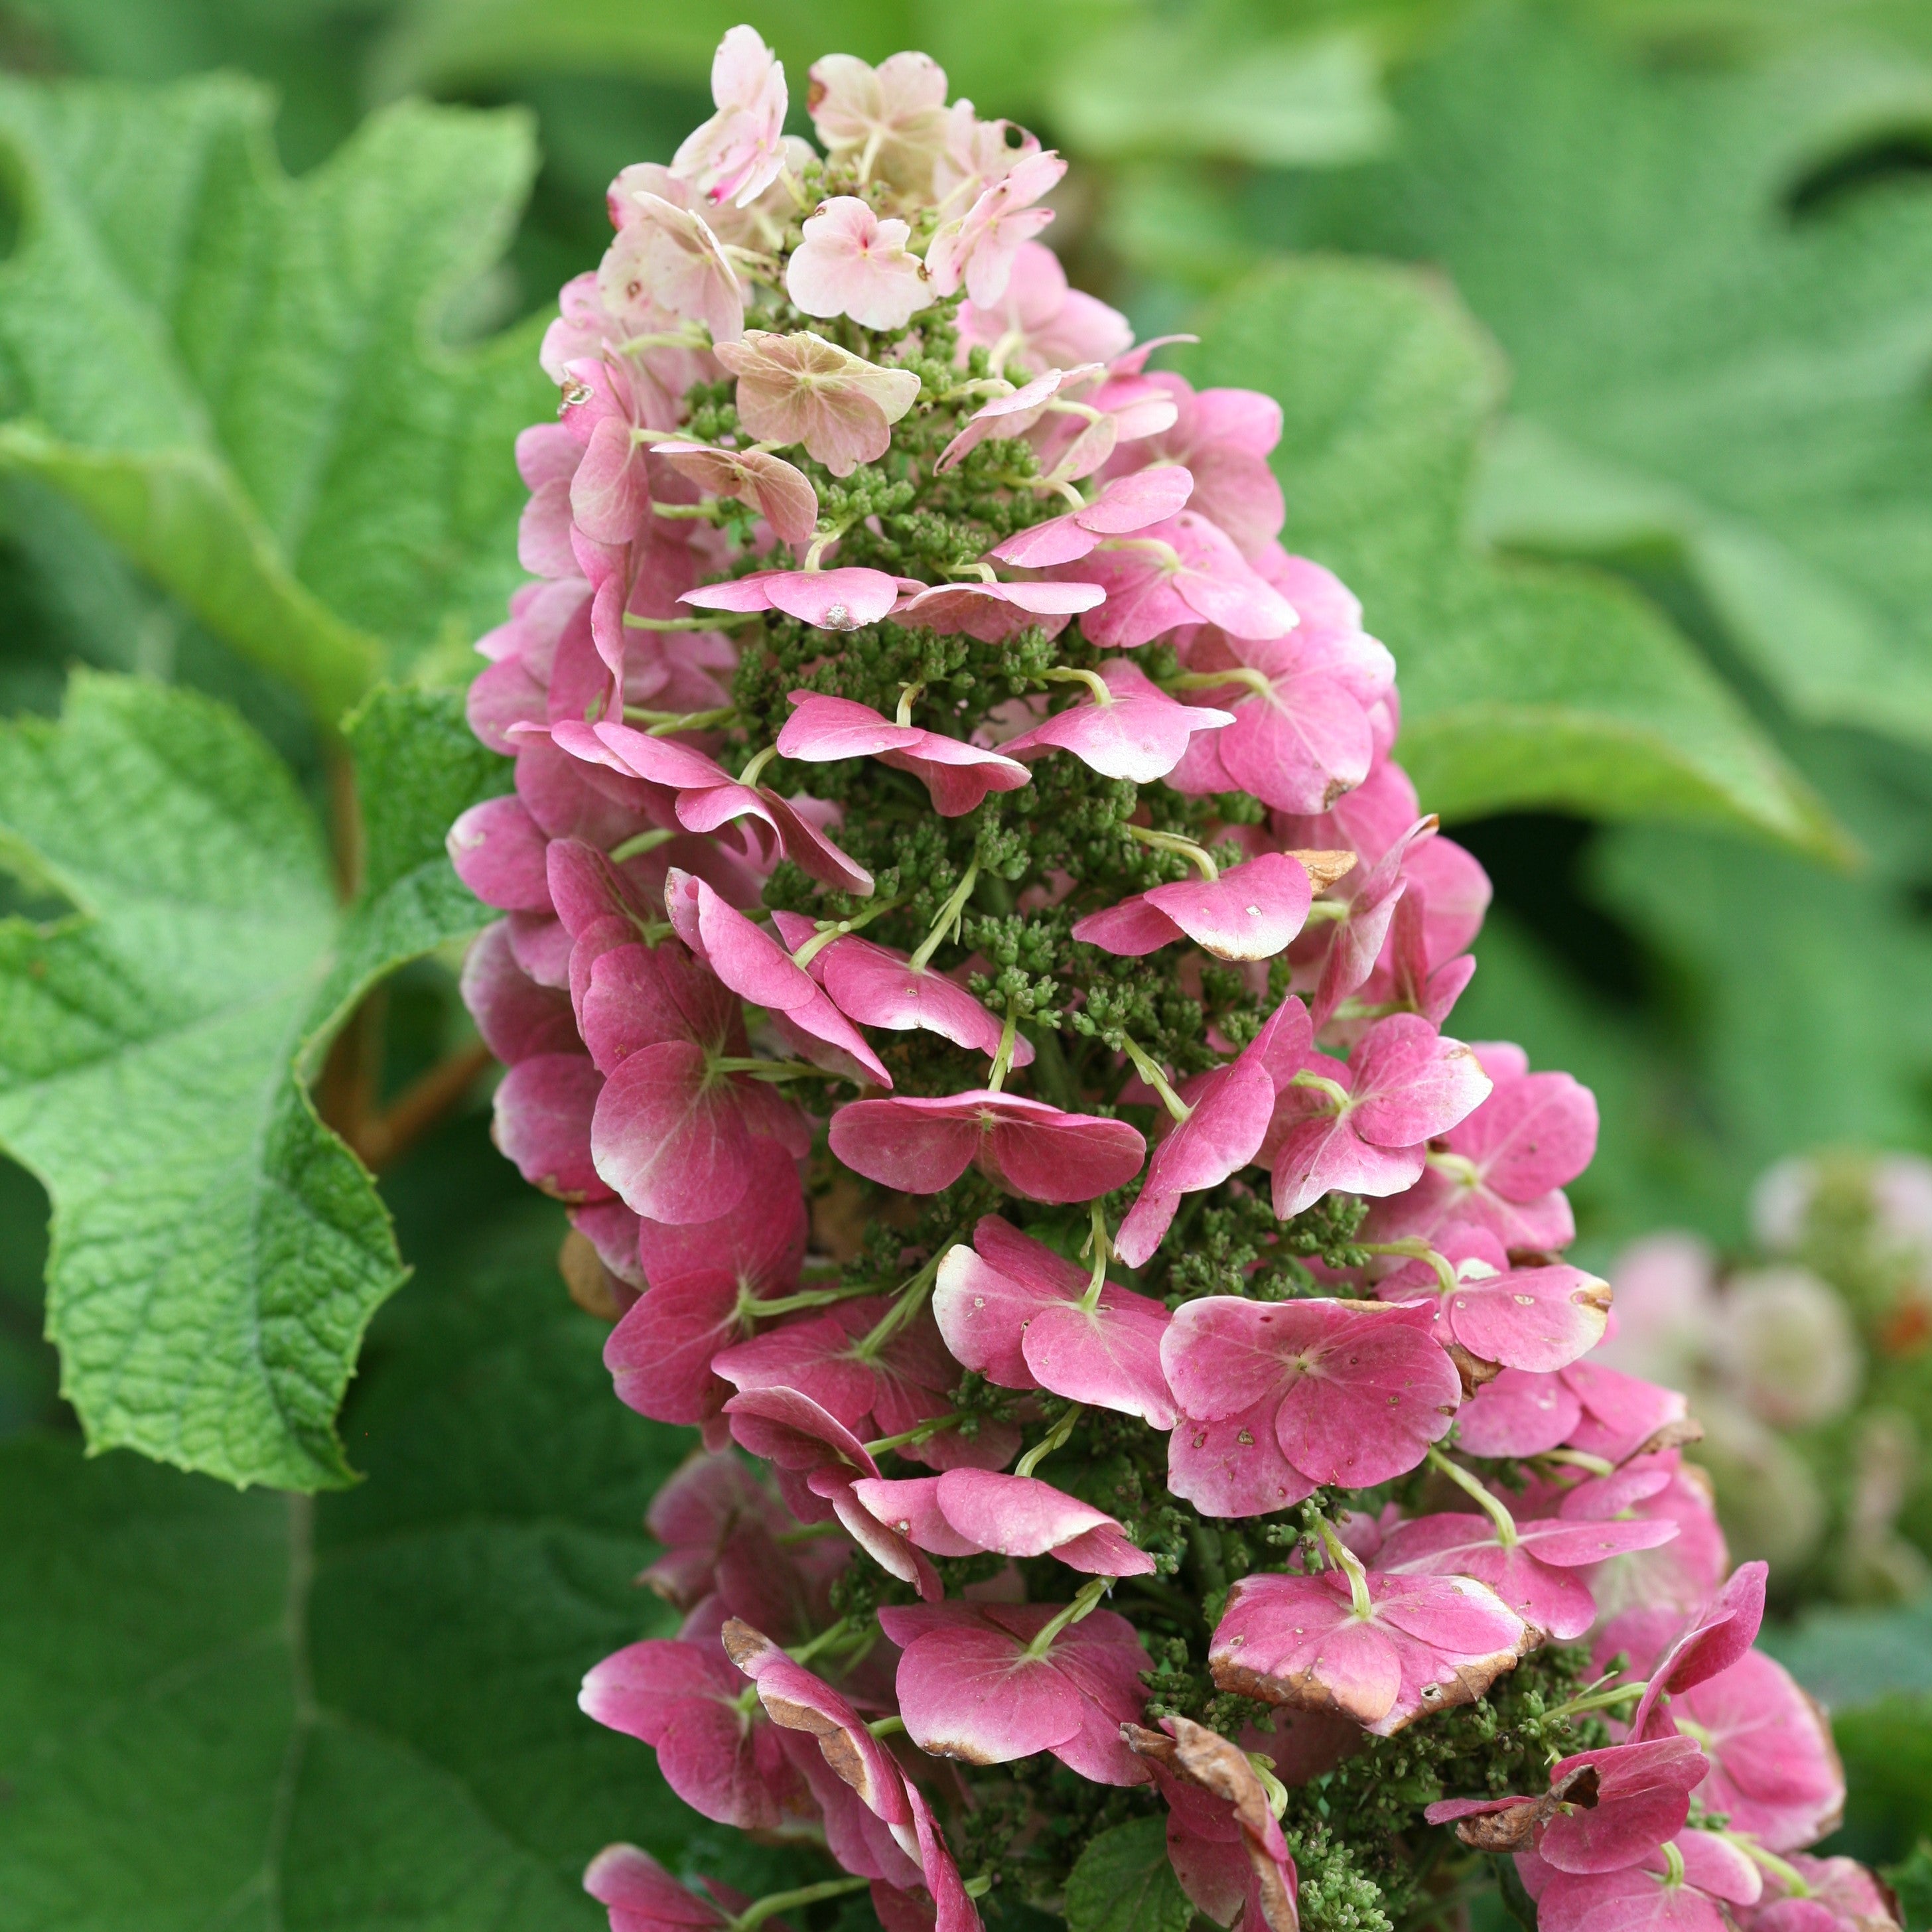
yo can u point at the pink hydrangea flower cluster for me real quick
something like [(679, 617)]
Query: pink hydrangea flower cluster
[(875, 579)]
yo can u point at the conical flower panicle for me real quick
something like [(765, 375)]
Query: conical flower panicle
[(976, 973)]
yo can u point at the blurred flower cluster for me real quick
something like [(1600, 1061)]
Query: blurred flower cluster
[(1809, 1363)]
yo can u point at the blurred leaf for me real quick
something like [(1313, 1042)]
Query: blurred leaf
[(1912, 1880), (1755, 27), (439, 41), (263, 418), (29, 1370), (1655, 1164), (357, 1712), (1712, 293), (1848, 1658), (310, 51), (1521, 685), (1802, 1012), (1165, 89), (1124, 1883), (216, 1251), (1887, 1747), (1275, 84)]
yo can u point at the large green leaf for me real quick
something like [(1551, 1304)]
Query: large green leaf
[(1521, 685), (240, 378), (1719, 330), (216, 1251), (355, 1713), (1124, 1882)]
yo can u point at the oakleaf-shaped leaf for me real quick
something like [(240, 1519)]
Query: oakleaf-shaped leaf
[(239, 378), (216, 1251), (1522, 684), (358, 1710), (1713, 298)]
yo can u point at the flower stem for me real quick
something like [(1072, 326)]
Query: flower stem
[(1002, 1057), (751, 1308), (1087, 1601), (754, 770), (1276, 1791), (1171, 842), (948, 919), (933, 1425), (833, 1633), (719, 620), (1335, 1091), (756, 1914), (910, 1300), (1491, 1506), (767, 1069), (1150, 1071), (661, 724), (1102, 1249), (909, 695), (1054, 1439), (886, 1727), (1794, 1881), (1092, 679), (837, 928), (1598, 1700), (1416, 1248), (1345, 1560), (644, 841), (1211, 680)]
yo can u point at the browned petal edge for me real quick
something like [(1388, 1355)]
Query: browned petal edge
[(1517, 1828), (1466, 1682), (744, 1645), (1206, 1759), (1474, 1370), (1324, 868), (1687, 1429), (1299, 1692), (588, 1280)]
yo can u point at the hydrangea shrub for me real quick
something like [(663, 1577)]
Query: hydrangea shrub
[(975, 969)]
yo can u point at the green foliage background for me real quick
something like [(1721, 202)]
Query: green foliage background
[(1603, 330)]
